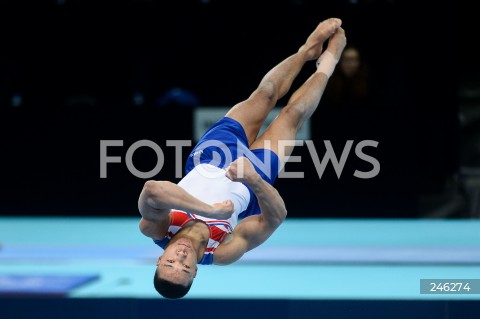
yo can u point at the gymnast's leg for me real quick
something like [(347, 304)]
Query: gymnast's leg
[(252, 112), (303, 102)]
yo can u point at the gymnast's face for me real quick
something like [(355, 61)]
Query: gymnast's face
[(178, 263)]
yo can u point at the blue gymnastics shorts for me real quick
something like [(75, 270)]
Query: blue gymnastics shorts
[(222, 144)]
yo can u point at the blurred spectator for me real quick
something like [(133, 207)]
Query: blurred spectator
[(351, 86)]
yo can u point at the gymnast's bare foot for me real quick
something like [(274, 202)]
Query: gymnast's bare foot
[(313, 47), (337, 43)]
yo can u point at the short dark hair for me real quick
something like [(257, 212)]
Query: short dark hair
[(169, 289)]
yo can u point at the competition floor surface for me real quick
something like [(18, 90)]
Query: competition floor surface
[(306, 259)]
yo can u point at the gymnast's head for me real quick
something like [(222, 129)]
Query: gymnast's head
[(176, 269)]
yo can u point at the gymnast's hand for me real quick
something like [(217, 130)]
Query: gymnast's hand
[(242, 170), (222, 210)]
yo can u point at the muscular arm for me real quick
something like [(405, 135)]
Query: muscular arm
[(158, 197), (164, 195), (272, 207), (161, 196), (254, 230)]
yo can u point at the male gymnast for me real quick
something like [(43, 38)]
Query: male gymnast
[(226, 204)]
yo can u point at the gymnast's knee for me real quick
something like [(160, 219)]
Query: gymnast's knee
[(295, 114), (268, 91)]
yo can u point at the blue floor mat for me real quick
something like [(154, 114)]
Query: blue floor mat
[(42, 284)]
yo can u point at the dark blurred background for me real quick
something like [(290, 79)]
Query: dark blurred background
[(74, 72)]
